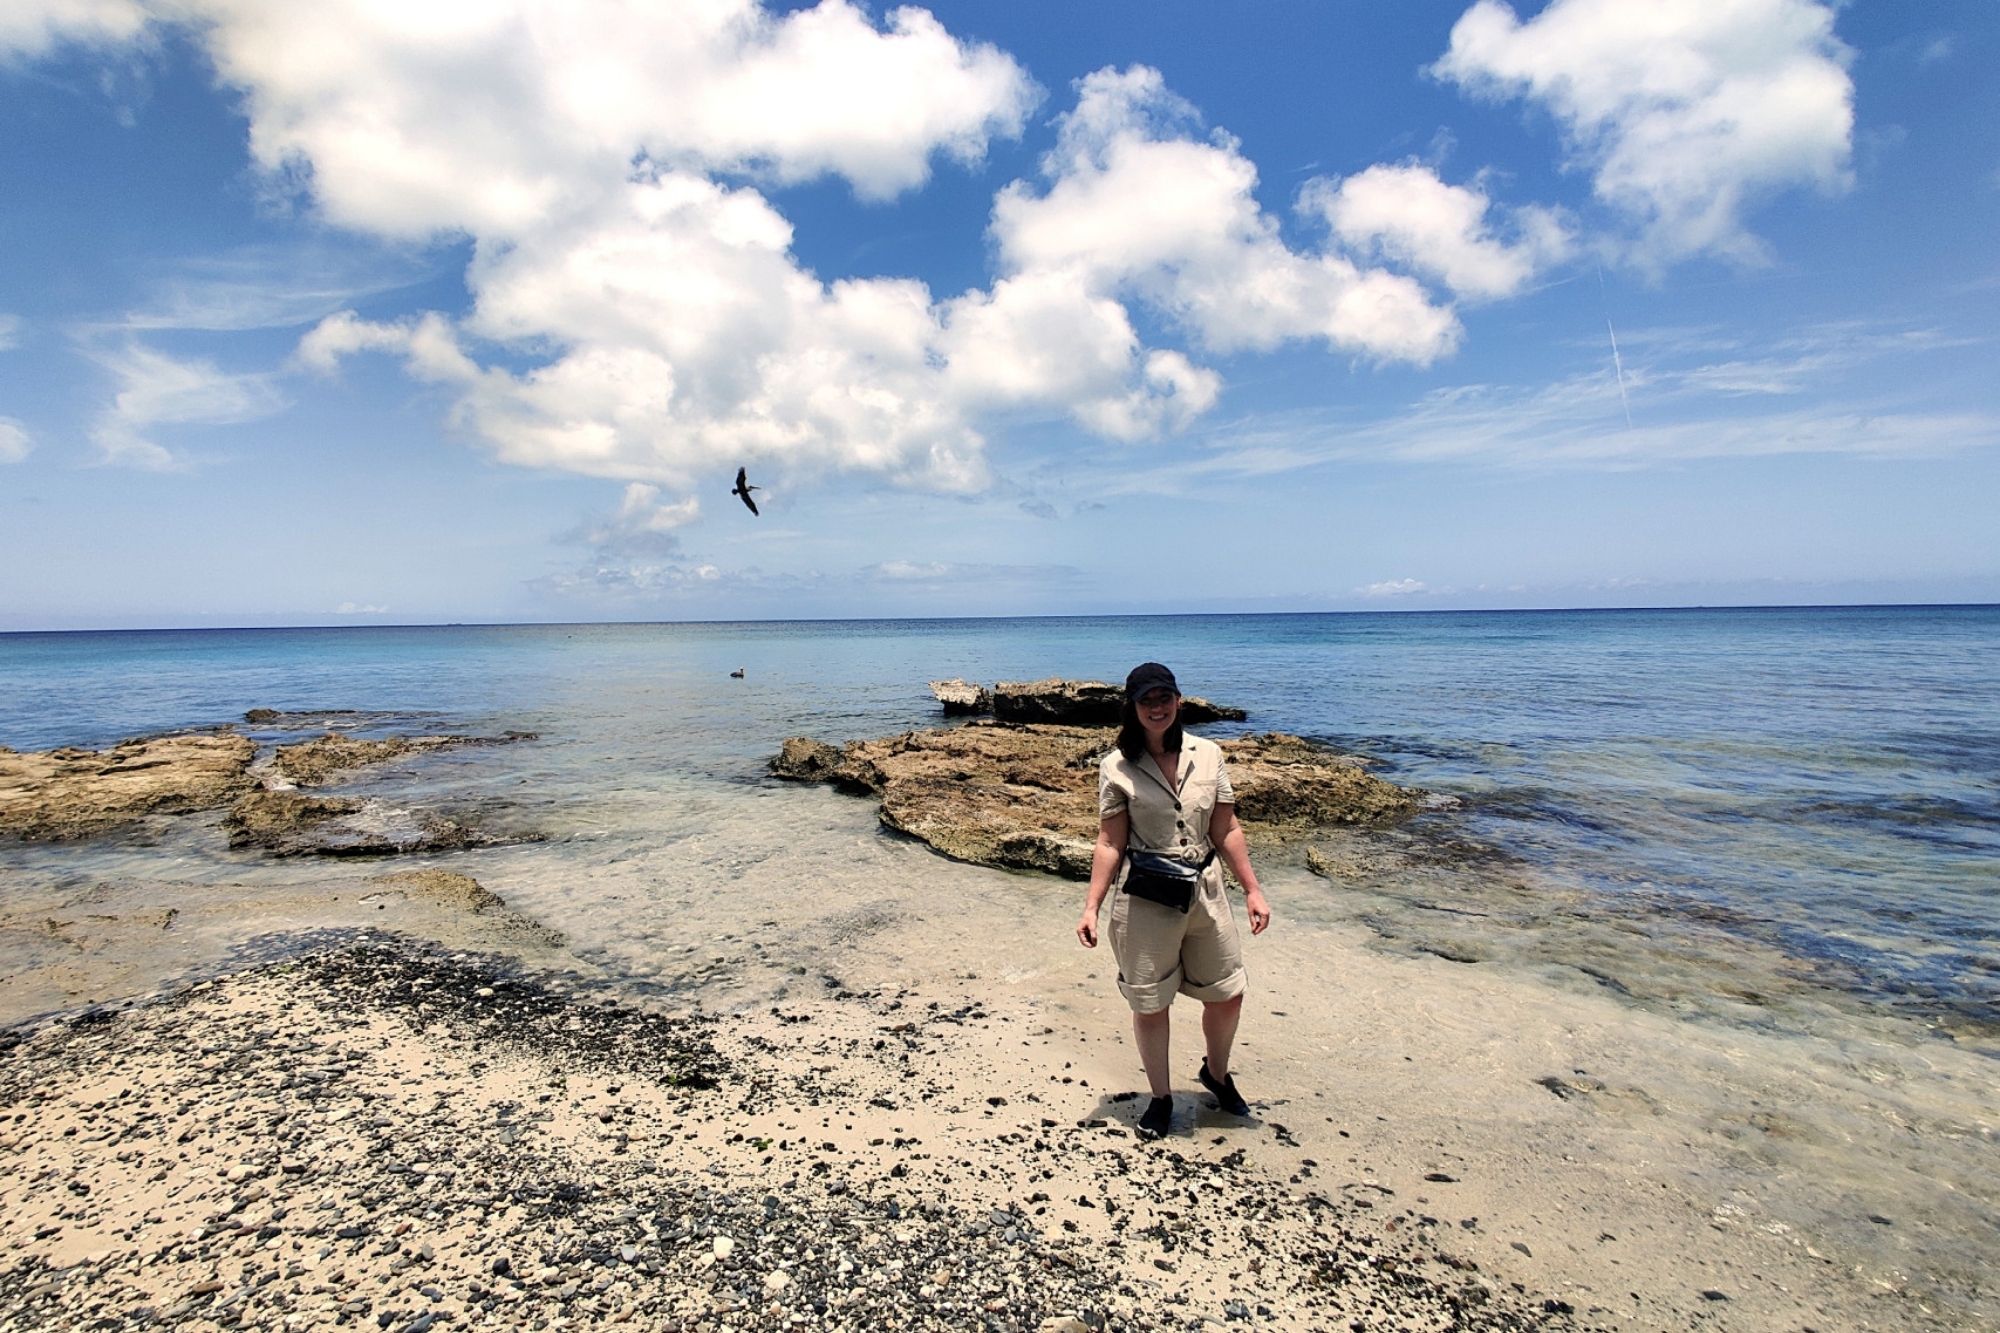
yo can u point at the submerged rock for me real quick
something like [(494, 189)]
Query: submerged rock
[(442, 886), (1024, 795), (290, 823), (317, 761), (77, 793), (296, 718)]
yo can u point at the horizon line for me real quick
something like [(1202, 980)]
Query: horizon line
[(1105, 615)]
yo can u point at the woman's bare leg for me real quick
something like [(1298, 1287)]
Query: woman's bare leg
[(1218, 1030), (1152, 1032)]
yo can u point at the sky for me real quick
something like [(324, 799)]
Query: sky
[(367, 312)]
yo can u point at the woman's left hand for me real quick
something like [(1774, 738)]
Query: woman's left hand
[(1260, 911)]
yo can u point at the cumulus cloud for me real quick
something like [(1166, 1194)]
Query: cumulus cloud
[(638, 310), (10, 332), (34, 27), (1407, 214), (1683, 111), (642, 524), (14, 441), (1137, 206), (1394, 588), (360, 609), (156, 389), (492, 118), (689, 336)]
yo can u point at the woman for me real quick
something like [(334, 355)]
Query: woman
[(1163, 791)]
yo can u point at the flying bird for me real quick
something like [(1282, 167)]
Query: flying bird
[(743, 488)]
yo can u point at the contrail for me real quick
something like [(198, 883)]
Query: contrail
[(1617, 361), (1618, 364)]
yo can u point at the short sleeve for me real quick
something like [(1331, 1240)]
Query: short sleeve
[(1224, 793), (1111, 797)]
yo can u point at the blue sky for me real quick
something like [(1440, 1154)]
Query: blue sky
[(357, 313)]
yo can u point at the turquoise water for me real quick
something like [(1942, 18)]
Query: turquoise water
[(1821, 783)]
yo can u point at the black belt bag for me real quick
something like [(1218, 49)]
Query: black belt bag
[(1166, 880)]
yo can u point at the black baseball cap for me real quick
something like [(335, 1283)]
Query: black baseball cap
[(1149, 676)]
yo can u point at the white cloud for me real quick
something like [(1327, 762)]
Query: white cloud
[(157, 389), (496, 118), (641, 526), (1406, 214), (949, 574), (15, 442), (1395, 588), (1577, 422), (1684, 111), (10, 332), (900, 570), (638, 312), (265, 287), (1136, 207), (34, 27), (360, 609)]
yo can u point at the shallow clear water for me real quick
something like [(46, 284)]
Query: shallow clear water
[(1746, 801)]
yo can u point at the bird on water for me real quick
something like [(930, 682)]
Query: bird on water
[(743, 489)]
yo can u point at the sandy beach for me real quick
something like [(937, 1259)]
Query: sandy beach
[(385, 1130)]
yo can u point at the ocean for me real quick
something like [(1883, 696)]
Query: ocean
[(1784, 817)]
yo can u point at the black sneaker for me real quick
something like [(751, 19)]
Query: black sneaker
[(1227, 1098), (1158, 1119)]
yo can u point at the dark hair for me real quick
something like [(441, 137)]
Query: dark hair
[(1132, 736)]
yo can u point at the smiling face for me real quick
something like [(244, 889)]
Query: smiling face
[(1157, 709)]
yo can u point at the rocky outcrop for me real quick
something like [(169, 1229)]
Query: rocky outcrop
[(1087, 703), (290, 823), (296, 719), (78, 793), (318, 761), (1069, 703), (1024, 795), (962, 698), (803, 760)]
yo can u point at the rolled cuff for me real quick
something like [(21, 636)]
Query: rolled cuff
[(1154, 995), (1228, 988)]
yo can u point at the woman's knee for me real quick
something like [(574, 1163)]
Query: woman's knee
[(1228, 1006)]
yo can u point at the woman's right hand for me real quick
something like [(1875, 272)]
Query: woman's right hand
[(1086, 930)]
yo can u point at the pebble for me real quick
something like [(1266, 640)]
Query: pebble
[(879, 1243)]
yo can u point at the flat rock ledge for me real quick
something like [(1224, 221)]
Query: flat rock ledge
[(73, 793), (1071, 703), (1023, 796), (70, 793)]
